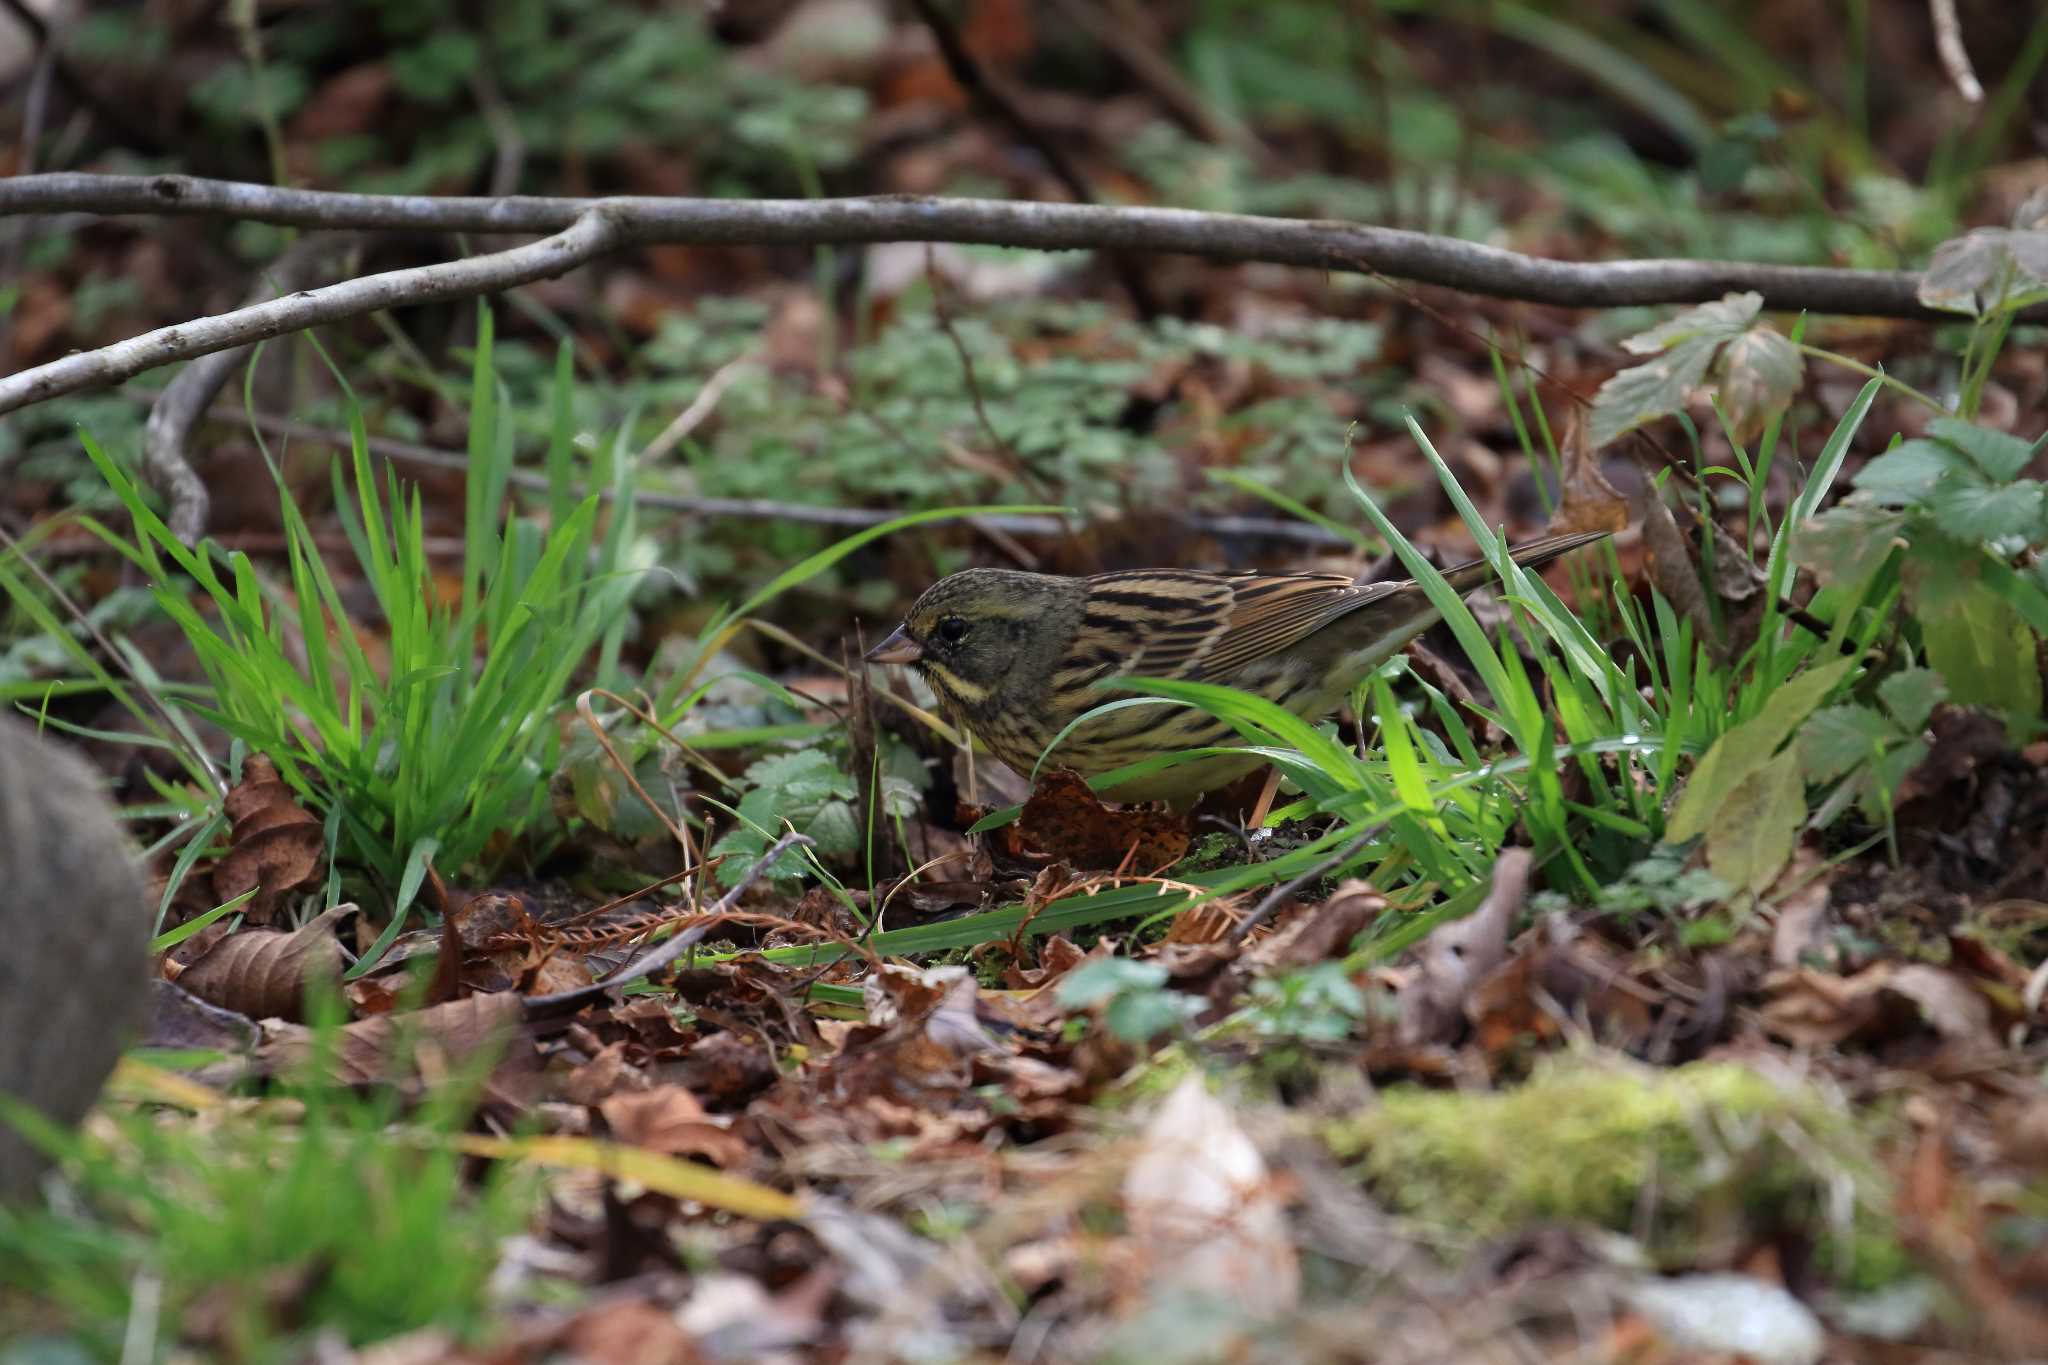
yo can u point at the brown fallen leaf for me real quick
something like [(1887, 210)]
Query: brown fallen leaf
[(668, 1119), (1065, 819), (1586, 500), (263, 973), (1459, 954), (1820, 1010), (275, 846), (388, 1047), (1670, 562)]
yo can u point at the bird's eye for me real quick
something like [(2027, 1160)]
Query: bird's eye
[(951, 630)]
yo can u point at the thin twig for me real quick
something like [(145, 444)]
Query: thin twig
[(768, 509), (1124, 34), (588, 235), (1279, 894), (165, 460), (692, 417), (988, 92), (586, 228), (115, 117), (1948, 43), (568, 1002)]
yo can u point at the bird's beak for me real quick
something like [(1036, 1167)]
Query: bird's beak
[(899, 648)]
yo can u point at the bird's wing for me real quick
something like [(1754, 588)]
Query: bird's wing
[(1154, 623), (1272, 613)]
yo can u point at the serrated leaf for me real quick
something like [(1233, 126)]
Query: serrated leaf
[(1985, 653), (1721, 320), (1908, 471), (1760, 373), (1999, 454), (1656, 388), (1742, 752), (1969, 509), (1910, 695), (1847, 543), (1753, 832), (1837, 739), (835, 829)]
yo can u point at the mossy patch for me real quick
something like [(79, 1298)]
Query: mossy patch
[(1698, 1159)]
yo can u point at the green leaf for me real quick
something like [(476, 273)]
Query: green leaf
[(1969, 509), (2001, 456), (1911, 694), (1753, 832), (1835, 740), (1742, 752), (1908, 471), (1724, 319), (1657, 388), (1985, 653), (1102, 978), (1846, 544)]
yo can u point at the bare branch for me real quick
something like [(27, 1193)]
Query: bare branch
[(1315, 244), (586, 228), (1955, 58), (569, 1001), (185, 399), (593, 232)]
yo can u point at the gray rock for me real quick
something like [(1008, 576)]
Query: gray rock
[(74, 939)]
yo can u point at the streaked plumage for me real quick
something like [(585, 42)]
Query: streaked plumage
[(1013, 656)]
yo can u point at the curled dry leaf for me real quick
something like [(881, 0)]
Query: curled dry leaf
[(1206, 1218), (1586, 501), (1064, 818), (388, 1047), (668, 1119), (1459, 954), (1670, 563), (275, 846), (263, 973), (1816, 1009)]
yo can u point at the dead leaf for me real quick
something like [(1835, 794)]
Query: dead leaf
[(668, 1119), (275, 847), (1066, 820), (629, 1332), (386, 1047), (1586, 500), (1670, 562), (263, 973), (1820, 1010), (1461, 953)]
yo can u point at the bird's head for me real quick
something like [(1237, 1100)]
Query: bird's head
[(984, 631)]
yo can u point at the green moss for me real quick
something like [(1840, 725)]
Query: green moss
[(1697, 1156)]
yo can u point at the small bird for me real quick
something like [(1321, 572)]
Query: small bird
[(1014, 656)]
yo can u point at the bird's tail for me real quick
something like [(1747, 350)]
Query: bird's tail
[(1533, 554)]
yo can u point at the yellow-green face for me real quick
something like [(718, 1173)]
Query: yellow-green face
[(986, 636)]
